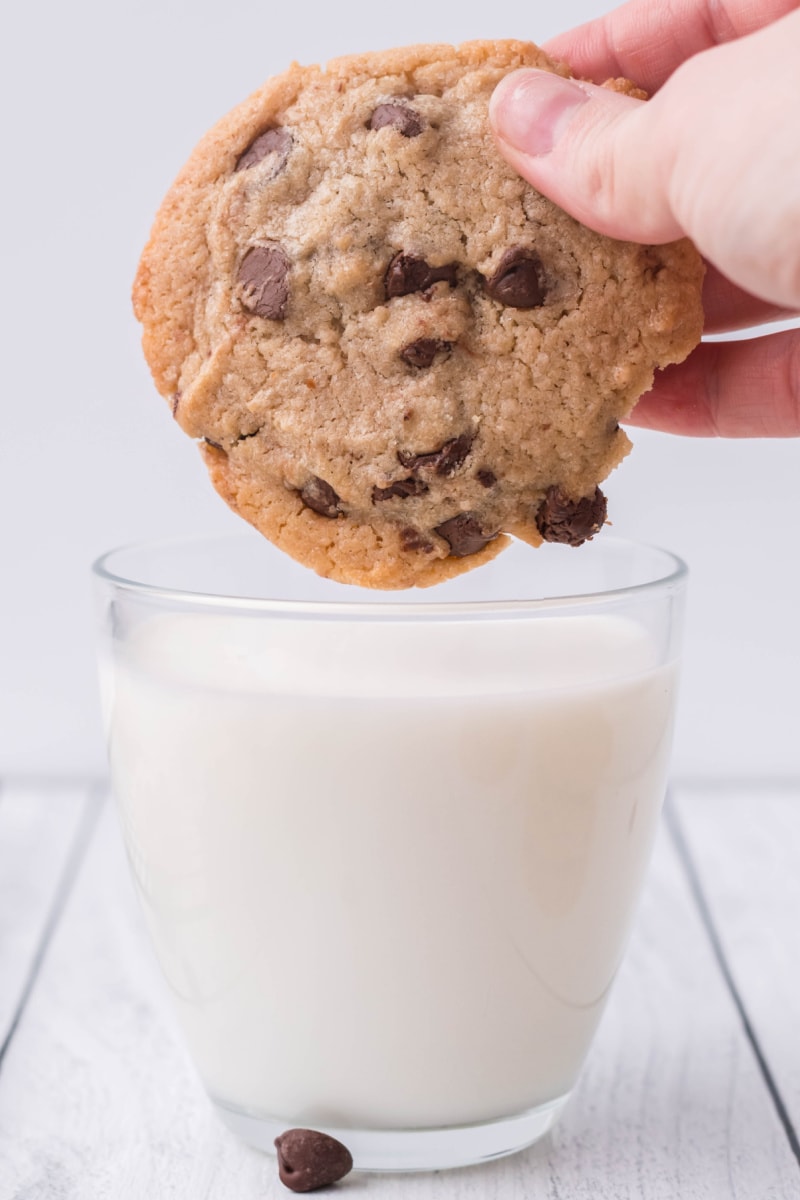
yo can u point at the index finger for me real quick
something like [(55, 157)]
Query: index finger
[(741, 389), (646, 41)]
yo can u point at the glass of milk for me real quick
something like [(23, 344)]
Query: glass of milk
[(389, 845)]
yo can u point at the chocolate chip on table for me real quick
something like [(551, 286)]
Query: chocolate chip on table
[(399, 116), (486, 478), (570, 522), (407, 273), (263, 275), (320, 496), (444, 461), (464, 534), (308, 1160), (275, 141), (401, 488), (517, 282), (423, 351)]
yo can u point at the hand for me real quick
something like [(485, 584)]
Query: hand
[(714, 156)]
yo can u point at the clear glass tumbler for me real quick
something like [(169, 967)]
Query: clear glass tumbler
[(389, 845)]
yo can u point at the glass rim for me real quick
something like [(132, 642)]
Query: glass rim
[(675, 574)]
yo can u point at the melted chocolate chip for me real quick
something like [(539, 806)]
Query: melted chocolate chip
[(486, 478), (399, 116), (320, 496), (423, 351), (517, 282), (464, 534), (444, 461), (406, 274), (412, 539), (308, 1160), (263, 275), (401, 488), (571, 522), (272, 141)]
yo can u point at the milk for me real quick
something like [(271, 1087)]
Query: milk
[(389, 866)]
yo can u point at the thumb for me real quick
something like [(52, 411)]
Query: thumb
[(713, 156), (592, 150)]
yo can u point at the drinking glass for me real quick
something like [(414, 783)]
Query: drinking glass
[(389, 845)]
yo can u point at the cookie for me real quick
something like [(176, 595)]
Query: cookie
[(393, 351)]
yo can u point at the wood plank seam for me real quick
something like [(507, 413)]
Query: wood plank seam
[(92, 808), (697, 891)]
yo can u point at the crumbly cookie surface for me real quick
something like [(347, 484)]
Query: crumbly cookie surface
[(393, 350)]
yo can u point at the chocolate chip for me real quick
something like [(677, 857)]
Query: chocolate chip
[(401, 488), (423, 351), (275, 141), (399, 116), (517, 282), (486, 478), (262, 275), (308, 1160), (320, 496), (444, 461), (176, 399), (571, 522), (407, 273), (412, 539), (464, 534)]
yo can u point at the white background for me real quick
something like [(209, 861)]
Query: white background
[(101, 104)]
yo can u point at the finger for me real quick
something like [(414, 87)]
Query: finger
[(582, 146), (726, 174), (646, 42), (728, 307), (729, 389)]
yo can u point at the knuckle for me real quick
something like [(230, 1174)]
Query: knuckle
[(599, 160), (719, 20), (600, 182)]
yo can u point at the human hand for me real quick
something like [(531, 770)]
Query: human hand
[(714, 156)]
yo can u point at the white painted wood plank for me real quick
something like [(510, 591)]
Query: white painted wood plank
[(38, 826), (97, 1098), (745, 844)]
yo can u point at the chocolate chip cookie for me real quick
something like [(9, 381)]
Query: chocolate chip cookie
[(393, 351)]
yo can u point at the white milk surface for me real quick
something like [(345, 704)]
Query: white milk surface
[(389, 868)]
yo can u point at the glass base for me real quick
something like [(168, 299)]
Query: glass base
[(411, 1149)]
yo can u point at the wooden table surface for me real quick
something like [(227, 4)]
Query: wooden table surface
[(692, 1089)]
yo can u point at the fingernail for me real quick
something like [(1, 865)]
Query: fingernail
[(531, 109)]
